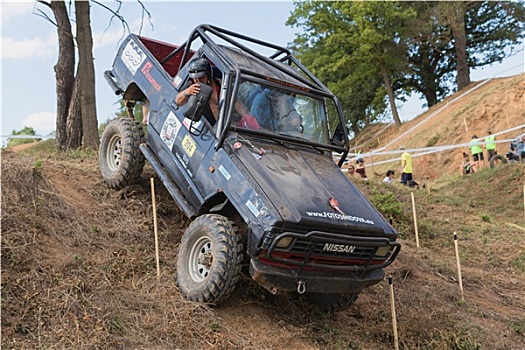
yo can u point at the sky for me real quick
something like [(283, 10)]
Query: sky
[(29, 50)]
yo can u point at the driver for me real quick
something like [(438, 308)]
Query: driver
[(200, 72)]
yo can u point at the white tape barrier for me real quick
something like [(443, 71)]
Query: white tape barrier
[(428, 150), (50, 136)]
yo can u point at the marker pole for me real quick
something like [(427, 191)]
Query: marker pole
[(415, 218), (459, 265), (393, 309), (155, 228)]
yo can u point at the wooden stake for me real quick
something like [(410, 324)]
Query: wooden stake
[(459, 265), (393, 308), (465, 122), (428, 187), (415, 218), (155, 228)]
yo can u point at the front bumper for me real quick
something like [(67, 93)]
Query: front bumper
[(318, 281), (323, 262)]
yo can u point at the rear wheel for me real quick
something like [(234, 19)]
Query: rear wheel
[(121, 161), (332, 303), (497, 159), (209, 259)]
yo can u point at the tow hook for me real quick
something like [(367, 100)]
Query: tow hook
[(301, 287)]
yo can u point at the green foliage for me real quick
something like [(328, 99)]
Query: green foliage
[(486, 218), (345, 44), (27, 130), (122, 112), (386, 203)]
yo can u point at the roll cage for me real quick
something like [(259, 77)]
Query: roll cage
[(279, 66)]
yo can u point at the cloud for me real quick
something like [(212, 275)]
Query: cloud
[(14, 9), (43, 122), (29, 48)]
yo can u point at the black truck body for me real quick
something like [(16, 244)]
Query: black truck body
[(301, 223)]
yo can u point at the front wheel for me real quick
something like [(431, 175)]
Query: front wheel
[(121, 161), (209, 259), (333, 302)]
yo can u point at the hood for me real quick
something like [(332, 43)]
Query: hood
[(309, 190)]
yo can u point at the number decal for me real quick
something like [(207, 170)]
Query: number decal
[(189, 145)]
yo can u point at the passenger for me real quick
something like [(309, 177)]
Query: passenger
[(243, 118), (200, 71), (262, 110)]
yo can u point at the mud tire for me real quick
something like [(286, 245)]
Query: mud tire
[(120, 159), (494, 160), (331, 303), (209, 260)]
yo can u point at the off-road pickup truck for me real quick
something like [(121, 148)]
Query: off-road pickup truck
[(261, 191)]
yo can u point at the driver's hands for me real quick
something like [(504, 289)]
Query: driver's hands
[(193, 89)]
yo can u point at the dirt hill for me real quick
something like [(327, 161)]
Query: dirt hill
[(78, 260), (497, 105)]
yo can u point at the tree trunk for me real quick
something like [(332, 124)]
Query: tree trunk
[(457, 23), (430, 96), (74, 120), (390, 92), (86, 75), (64, 71)]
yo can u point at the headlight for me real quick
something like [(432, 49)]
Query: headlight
[(383, 251), (284, 242)]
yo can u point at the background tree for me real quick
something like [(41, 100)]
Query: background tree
[(493, 30), (76, 122), (428, 47), (349, 45), (27, 130)]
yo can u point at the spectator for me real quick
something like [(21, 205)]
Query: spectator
[(467, 166), (351, 170), (477, 152), (490, 145), (514, 154), (360, 169), (406, 167), (389, 178)]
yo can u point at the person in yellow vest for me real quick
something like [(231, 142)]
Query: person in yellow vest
[(406, 167), (477, 152), (490, 145)]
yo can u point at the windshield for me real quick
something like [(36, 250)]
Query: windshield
[(277, 111)]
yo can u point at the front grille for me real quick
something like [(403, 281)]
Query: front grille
[(354, 253), (301, 247)]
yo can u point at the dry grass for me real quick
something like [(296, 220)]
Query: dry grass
[(78, 270)]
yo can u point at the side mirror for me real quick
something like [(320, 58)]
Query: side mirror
[(196, 103), (337, 140)]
